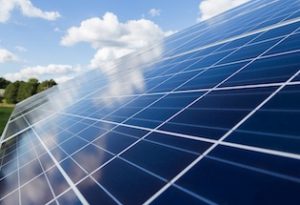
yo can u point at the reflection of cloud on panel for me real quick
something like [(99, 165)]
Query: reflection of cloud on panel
[(126, 75), (13, 198), (36, 192)]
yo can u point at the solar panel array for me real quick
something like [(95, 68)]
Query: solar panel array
[(210, 115)]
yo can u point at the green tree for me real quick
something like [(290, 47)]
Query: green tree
[(11, 92), (4, 83), (34, 83), (27, 89), (45, 85), (22, 91)]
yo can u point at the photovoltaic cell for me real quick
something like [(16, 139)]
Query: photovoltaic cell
[(209, 115)]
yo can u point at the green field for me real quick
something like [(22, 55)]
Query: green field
[(5, 112)]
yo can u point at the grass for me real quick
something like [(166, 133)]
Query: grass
[(5, 111)]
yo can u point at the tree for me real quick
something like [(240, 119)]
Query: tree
[(4, 83), (34, 83), (27, 89), (20, 90), (45, 85), (11, 92)]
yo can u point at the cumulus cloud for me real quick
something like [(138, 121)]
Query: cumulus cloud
[(109, 32), (58, 72), (211, 8), (154, 12), (27, 9), (113, 39), (6, 56)]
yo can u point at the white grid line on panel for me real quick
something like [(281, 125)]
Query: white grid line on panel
[(265, 29), (70, 182), (251, 168), (203, 139), (191, 39), (44, 171), (17, 156), (92, 178), (151, 199)]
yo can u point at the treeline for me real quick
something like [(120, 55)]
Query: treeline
[(20, 90)]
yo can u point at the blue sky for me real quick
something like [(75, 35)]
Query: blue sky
[(37, 39)]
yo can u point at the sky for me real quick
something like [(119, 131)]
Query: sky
[(60, 39)]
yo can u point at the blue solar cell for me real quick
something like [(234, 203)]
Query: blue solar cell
[(264, 163), (217, 112), (76, 128), (292, 43), (93, 192), (209, 60), (266, 70), (114, 142), (129, 188), (160, 160), (175, 81), (72, 145), (74, 172), (272, 21), (188, 145), (281, 31), (96, 156), (138, 133), (177, 197), (59, 154), (91, 133), (211, 77), (209, 178), (249, 51), (238, 42), (275, 125)]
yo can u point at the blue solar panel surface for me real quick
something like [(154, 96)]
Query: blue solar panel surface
[(210, 115)]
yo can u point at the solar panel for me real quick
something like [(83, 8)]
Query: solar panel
[(207, 116)]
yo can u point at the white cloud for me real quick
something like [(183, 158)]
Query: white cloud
[(211, 8), (113, 39), (6, 56), (56, 71), (154, 12), (27, 9), (109, 32)]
